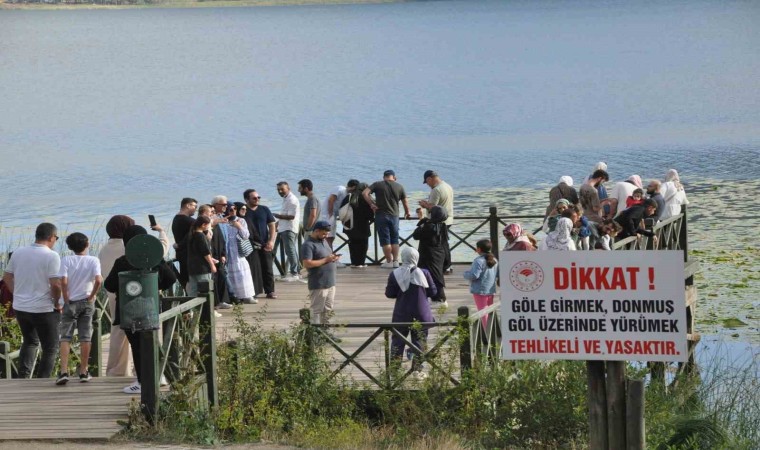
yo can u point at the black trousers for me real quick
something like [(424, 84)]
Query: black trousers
[(357, 249), (134, 344), (267, 273), (447, 259)]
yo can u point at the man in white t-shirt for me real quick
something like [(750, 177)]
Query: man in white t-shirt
[(620, 192), (330, 207), (32, 277), (80, 283), (288, 228)]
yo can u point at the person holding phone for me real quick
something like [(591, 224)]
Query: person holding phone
[(319, 260)]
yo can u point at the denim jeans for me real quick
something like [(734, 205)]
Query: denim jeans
[(192, 283), (289, 242), (36, 329)]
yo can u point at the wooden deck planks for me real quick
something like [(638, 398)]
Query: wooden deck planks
[(37, 409)]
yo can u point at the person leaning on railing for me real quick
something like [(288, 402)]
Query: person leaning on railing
[(166, 279)]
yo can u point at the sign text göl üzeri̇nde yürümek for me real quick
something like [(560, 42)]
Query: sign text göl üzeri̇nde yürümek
[(593, 305)]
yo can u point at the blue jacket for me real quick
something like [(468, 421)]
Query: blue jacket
[(482, 278)]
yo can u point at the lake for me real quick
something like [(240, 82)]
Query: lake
[(127, 111)]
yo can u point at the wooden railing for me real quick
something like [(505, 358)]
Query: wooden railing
[(187, 352)]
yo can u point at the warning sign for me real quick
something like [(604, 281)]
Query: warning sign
[(593, 305)]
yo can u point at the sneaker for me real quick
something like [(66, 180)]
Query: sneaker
[(85, 377), (133, 389), (419, 375), (448, 271), (360, 266), (62, 379), (250, 301), (290, 278), (272, 295), (163, 381), (217, 314), (223, 305), (444, 304), (396, 264), (387, 265), (339, 265)]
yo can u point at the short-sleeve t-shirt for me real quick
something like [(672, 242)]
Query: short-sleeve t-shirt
[(312, 203), (260, 218), (197, 250), (340, 193), (80, 272), (32, 268), (387, 195), (321, 277), (290, 207), (443, 195)]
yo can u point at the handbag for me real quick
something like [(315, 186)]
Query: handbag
[(244, 247)]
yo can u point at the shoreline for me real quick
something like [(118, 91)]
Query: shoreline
[(184, 4)]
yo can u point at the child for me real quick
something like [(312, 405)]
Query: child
[(636, 198), (80, 283), (482, 276), (607, 231)]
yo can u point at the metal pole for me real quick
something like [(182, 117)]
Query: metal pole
[(493, 219), (96, 348)]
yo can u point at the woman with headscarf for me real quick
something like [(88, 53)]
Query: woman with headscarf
[(561, 238), (118, 347), (674, 194), (516, 239), (166, 279), (432, 233), (358, 228), (238, 269), (411, 286), (550, 223), (563, 189)]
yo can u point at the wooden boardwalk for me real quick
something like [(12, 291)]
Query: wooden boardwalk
[(38, 409)]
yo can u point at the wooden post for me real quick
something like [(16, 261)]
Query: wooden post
[(493, 219), (387, 348), (634, 416), (597, 406), (149, 376), (465, 348), (616, 404), (208, 341), (5, 367), (96, 347)]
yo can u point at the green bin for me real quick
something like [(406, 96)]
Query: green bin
[(138, 300)]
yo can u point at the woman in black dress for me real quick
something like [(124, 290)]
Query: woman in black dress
[(432, 234)]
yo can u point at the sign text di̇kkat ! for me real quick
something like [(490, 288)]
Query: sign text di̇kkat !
[(593, 305)]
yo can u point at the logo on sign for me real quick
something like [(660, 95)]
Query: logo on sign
[(526, 276)]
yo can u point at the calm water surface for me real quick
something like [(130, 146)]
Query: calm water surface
[(127, 111)]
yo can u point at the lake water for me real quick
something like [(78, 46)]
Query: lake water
[(127, 111)]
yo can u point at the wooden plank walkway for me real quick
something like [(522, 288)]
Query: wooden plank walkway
[(38, 409)]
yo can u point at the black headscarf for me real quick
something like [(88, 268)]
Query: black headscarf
[(134, 230)]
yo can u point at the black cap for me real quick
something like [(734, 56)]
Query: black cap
[(322, 225), (389, 173), (428, 174)]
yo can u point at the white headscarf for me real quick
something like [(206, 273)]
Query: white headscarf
[(672, 175), (601, 165), (408, 273), (560, 238), (566, 179)]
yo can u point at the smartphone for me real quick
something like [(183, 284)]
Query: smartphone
[(152, 220)]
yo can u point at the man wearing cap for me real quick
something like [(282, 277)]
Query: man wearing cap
[(441, 194), (385, 205), (319, 261)]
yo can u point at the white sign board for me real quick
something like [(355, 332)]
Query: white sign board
[(593, 305)]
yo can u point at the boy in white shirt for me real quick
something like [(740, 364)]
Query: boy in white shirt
[(80, 283)]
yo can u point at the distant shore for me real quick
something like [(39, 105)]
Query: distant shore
[(183, 4)]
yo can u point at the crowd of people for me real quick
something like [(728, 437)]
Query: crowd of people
[(232, 244)]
